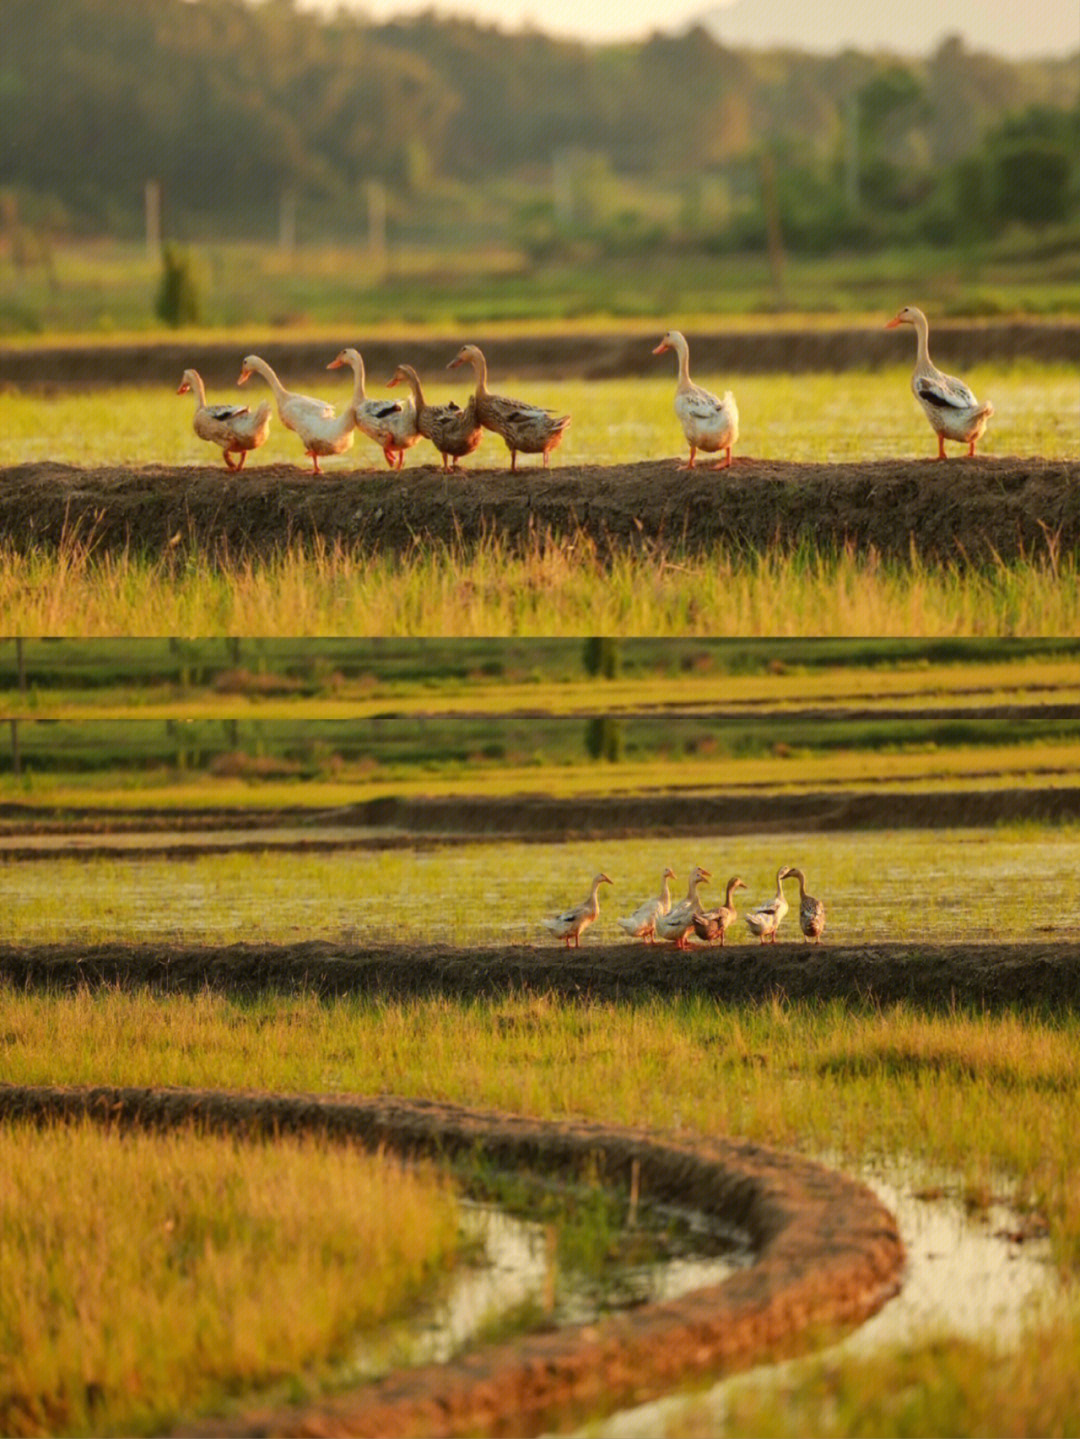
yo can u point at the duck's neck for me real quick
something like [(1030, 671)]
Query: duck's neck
[(692, 895), (356, 360), (479, 364), (199, 390), (262, 368), (665, 893), (780, 886), (412, 379), (682, 349), (922, 353), (797, 874), (728, 893)]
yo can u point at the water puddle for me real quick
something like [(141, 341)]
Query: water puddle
[(979, 1274), (515, 1281)]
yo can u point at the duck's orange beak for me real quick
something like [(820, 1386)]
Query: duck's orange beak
[(391, 383), (243, 377), (183, 387), (335, 364), (894, 322), (661, 347), (455, 362)]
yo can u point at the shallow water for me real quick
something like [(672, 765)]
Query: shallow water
[(968, 1276), (517, 1274)]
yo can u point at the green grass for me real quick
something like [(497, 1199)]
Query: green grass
[(103, 288), (808, 418), (913, 885), (551, 587), (167, 1272), (988, 1098)]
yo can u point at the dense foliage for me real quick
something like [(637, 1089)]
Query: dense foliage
[(236, 109)]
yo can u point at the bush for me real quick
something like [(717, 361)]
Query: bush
[(178, 297)]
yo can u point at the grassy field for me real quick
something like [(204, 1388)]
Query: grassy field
[(107, 288), (809, 418), (933, 885), (169, 1272), (988, 1099)]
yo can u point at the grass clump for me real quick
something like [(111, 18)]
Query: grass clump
[(169, 1271)]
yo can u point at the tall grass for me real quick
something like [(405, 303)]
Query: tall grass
[(549, 586), (166, 1272)]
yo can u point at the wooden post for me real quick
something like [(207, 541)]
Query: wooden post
[(774, 235), (153, 218)]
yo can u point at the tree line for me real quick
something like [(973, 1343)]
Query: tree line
[(230, 106)]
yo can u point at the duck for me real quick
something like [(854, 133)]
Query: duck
[(709, 423), (390, 423), (642, 923), (233, 427), (765, 920), (714, 923), (525, 428), (677, 923), (811, 910), (321, 429), (452, 430), (950, 406), (573, 922)]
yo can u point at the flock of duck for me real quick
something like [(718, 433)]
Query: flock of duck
[(658, 918), (709, 422)]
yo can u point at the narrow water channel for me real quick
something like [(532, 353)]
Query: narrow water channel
[(972, 1274)]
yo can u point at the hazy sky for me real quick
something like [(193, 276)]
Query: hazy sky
[(913, 27)]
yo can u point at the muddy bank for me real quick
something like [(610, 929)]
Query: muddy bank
[(28, 833), (828, 1255), (935, 976), (571, 356), (963, 510)]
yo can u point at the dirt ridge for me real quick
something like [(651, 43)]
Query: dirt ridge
[(828, 1255), (1042, 974), (392, 822), (599, 355), (983, 509)]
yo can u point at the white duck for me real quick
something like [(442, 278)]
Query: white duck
[(715, 923), (679, 920), (952, 409), (811, 910), (642, 923), (709, 423), (390, 423), (765, 920), (321, 429), (570, 924), (233, 427)]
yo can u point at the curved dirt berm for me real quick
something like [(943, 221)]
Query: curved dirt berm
[(980, 509), (828, 1255)]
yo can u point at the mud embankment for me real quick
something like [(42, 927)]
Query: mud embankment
[(979, 975), (962, 510), (29, 833), (828, 1255), (575, 355)]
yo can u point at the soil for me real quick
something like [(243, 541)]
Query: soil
[(569, 356), (827, 1255), (1038, 975), (29, 832), (963, 510)]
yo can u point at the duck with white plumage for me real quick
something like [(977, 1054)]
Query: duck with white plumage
[(572, 923), (764, 920), (950, 406), (390, 423), (321, 429), (709, 422), (642, 923), (679, 920)]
